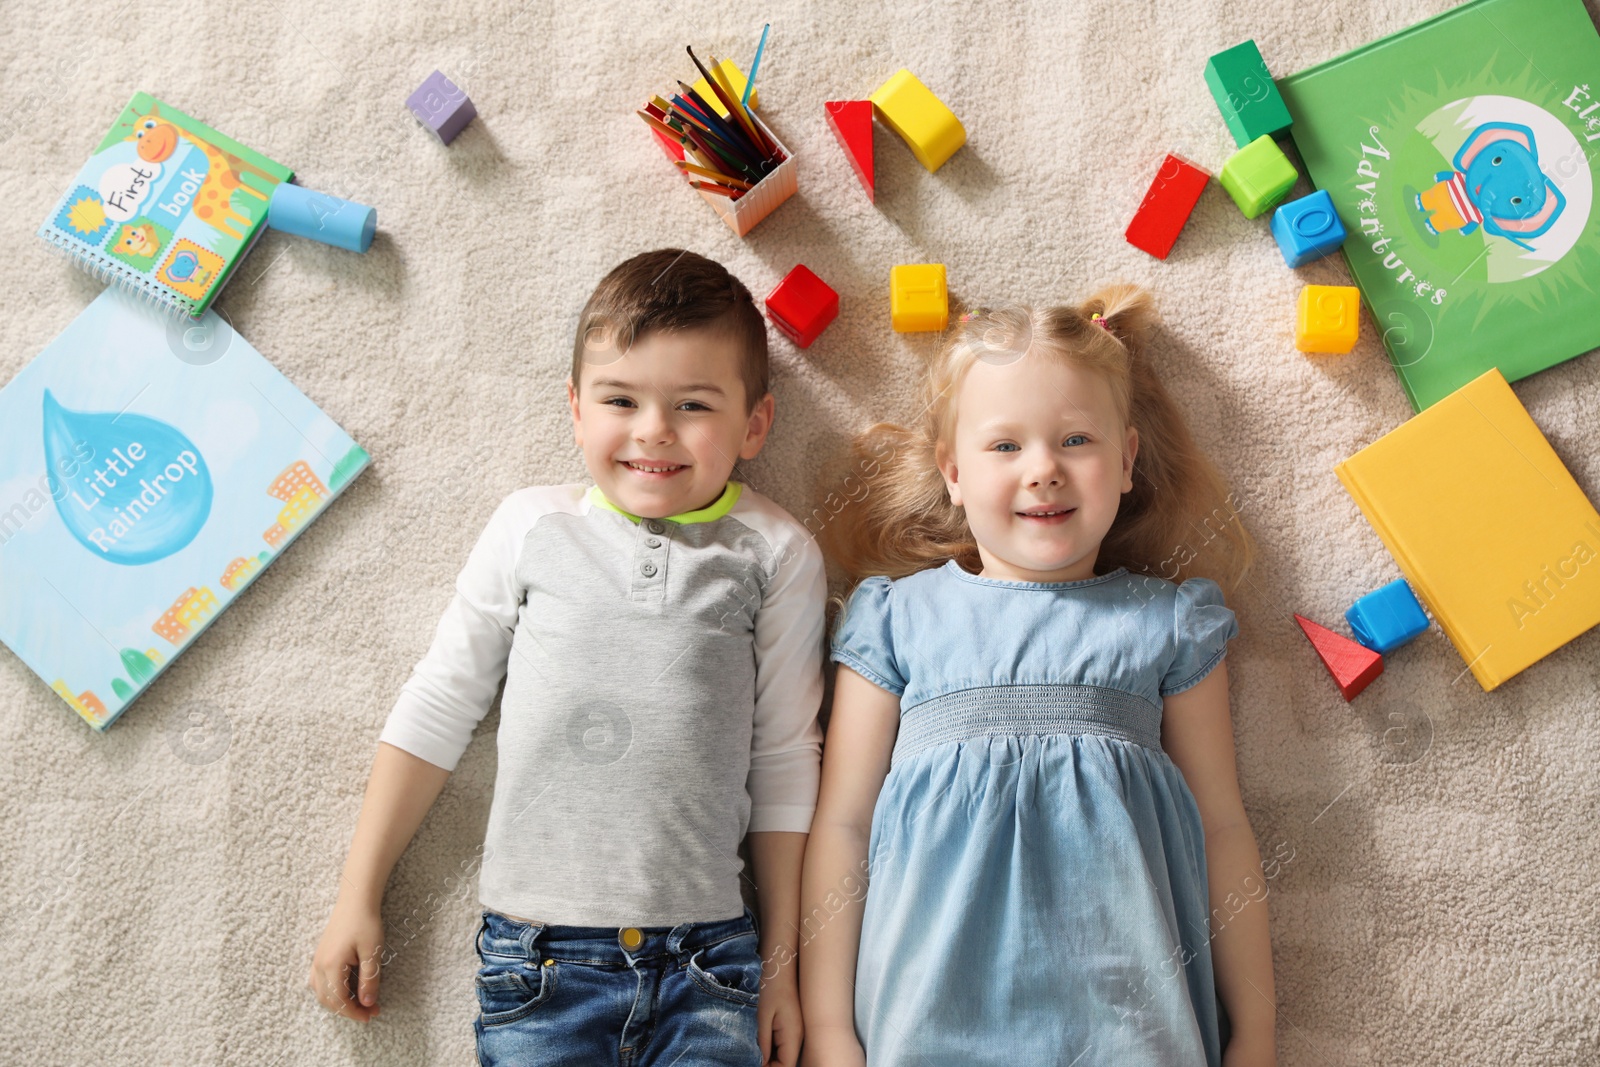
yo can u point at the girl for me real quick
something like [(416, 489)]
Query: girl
[(1030, 747)]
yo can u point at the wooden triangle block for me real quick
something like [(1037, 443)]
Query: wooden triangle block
[(1353, 666), (851, 121)]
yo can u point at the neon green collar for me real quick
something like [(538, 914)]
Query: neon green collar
[(714, 510)]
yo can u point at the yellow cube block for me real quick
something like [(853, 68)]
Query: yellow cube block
[(735, 78), (1329, 318), (918, 299), (908, 108)]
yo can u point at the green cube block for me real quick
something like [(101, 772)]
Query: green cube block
[(1258, 176), (1249, 101)]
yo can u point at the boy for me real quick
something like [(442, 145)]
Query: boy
[(660, 634)]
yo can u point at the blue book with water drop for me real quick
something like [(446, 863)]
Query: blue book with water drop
[(150, 467)]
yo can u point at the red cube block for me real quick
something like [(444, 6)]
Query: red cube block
[(1166, 207), (802, 305)]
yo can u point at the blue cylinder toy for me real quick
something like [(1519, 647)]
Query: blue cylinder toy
[(304, 213)]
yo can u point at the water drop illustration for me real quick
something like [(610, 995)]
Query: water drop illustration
[(130, 488)]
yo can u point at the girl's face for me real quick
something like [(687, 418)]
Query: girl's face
[(1039, 461)]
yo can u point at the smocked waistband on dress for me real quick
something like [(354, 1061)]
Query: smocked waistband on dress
[(1027, 709)]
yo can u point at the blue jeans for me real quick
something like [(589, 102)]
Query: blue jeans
[(596, 996)]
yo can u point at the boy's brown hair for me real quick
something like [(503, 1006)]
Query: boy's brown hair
[(671, 289)]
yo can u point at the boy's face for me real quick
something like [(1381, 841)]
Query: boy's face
[(662, 423)]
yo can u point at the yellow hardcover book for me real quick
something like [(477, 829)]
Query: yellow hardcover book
[(1488, 526)]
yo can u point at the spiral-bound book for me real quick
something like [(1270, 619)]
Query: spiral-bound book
[(166, 207), (150, 468)]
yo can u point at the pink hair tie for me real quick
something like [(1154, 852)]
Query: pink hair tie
[(1099, 320)]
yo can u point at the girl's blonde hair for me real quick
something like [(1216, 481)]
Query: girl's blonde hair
[(1180, 519)]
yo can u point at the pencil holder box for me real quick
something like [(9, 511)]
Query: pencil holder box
[(762, 198)]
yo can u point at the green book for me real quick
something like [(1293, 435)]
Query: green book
[(166, 207), (1461, 155)]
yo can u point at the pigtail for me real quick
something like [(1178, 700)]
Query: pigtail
[(1128, 312)]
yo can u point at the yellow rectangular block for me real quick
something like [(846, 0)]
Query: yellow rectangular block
[(910, 109), (1487, 524), (1328, 318), (735, 77), (918, 299)]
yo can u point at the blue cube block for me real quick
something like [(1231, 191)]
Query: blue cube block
[(1388, 618), (1308, 228)]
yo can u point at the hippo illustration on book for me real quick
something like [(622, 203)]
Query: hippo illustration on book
[(1496, 184)]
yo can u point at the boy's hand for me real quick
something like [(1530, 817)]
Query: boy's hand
[(348, 955), (778, 1025), (833, 1047)]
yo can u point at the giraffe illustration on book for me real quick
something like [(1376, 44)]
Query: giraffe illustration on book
[(213, 202)]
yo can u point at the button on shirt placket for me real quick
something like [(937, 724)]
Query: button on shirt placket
[(650, 559)]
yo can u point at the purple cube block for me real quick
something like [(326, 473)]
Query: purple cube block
[(441, 106)]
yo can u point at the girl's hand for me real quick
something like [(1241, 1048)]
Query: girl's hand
[(1246, 1052), (836, 1047), (348, 955)]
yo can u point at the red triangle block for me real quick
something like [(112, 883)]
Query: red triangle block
[(1353, 666), (851, 121)]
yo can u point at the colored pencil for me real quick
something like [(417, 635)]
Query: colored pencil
[(724, 151), (704, 155), (755, 65), (716, 176), (664, 118), (734, 110), (713, 153), (730, 128), (725, 81), (732, 99), (661, 126), (720, 190), (680, 111), (685, 114), (737, 142), (695, 102), (659, 107), (702, 145)]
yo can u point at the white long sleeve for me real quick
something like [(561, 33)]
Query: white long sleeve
[(786, 750), (451, 688)]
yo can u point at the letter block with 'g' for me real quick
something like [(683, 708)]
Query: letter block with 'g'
[(1329, 318)]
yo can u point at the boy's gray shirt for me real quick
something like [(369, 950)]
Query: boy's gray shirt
[(662, 684)]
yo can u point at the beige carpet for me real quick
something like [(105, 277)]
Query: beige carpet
[(1440, 905)]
